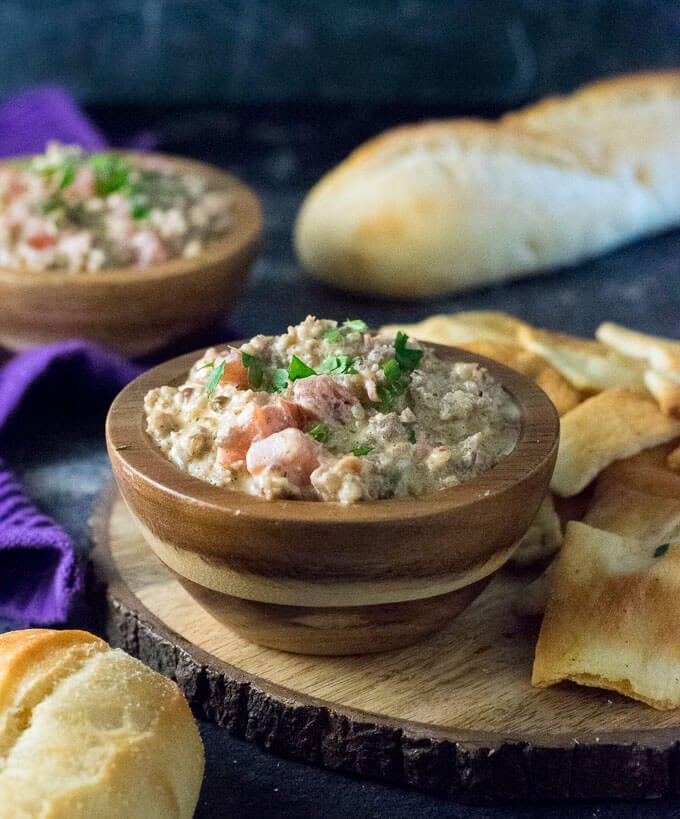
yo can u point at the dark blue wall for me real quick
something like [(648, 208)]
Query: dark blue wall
[(466, 54)]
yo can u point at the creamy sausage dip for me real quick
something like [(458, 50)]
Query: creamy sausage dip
[(331, 412), (67, 210)]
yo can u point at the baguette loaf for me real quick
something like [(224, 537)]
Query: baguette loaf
[(88, 731), (436, 207)]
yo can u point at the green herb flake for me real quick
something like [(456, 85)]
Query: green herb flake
[(407, 358), (68, 175), (339, 364), (279, 380), (355, 325), (111, 172), (394, 385), (255, 367), (661, 550), (298, 369), (139, 206), (215, 376), (333, 335), (52, 204), (320, 433), (397, 372), (392, 370), (412, 436), (347, 326), (362, 450)]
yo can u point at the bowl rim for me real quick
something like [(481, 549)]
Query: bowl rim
[(247, 228), (133, 452)]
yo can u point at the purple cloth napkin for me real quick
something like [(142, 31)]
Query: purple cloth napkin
[(40, 577), (31, 119)]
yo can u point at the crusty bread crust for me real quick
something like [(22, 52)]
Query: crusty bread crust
[(435, 207), (88, 731)]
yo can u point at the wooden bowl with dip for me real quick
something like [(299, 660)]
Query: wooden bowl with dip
[(136, 309), (320, 577)]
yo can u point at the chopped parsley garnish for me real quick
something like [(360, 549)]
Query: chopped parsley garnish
[(397, 373), (298, 369), (68, 175), (63, 175), (279, 380), (339, 364), (255, 367), (320, 433), (412, 436), (407, 358), (139, 206), (336, 364), (215, 376), (53, 203), (355, 325), (347, 326), (362, 450), (661, 550), (112, 173)]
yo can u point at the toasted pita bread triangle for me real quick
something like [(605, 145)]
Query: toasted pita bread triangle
[(589, 365), (661, 353), (612, 618), (462, 328), (666, 390), (643, 504), (673, 459), (542, 539), (614, 424)]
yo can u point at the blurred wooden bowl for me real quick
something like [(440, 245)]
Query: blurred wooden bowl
[(136, 310), (327, 578)]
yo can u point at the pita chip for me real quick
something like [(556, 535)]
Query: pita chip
[(660, 353), (666, 390), (612, 618), (588, 365), (543, 537), (673, 459), (644, 505), (462, 328), (610, 425)]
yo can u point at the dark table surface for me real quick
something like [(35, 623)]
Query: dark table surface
[(281, 152)]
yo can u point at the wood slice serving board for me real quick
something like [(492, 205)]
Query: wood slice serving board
[(455, 714)]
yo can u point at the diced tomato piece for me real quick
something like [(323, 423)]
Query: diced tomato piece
[(289, 452), (254, 424), (324, 398), (42, 240), (234, 371), (16, 187)]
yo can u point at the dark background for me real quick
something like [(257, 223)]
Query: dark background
[(464, 55)]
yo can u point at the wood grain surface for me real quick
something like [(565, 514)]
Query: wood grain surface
[(454, 714)]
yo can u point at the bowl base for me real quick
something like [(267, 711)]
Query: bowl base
[(336, 630)]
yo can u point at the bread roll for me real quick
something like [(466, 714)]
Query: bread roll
[(88, 731), (432, 208)]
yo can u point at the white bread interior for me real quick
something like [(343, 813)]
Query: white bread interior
[(437, 207), (88, 731)]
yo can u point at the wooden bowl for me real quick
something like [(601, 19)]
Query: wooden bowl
[(326, 578), (136, 310)]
